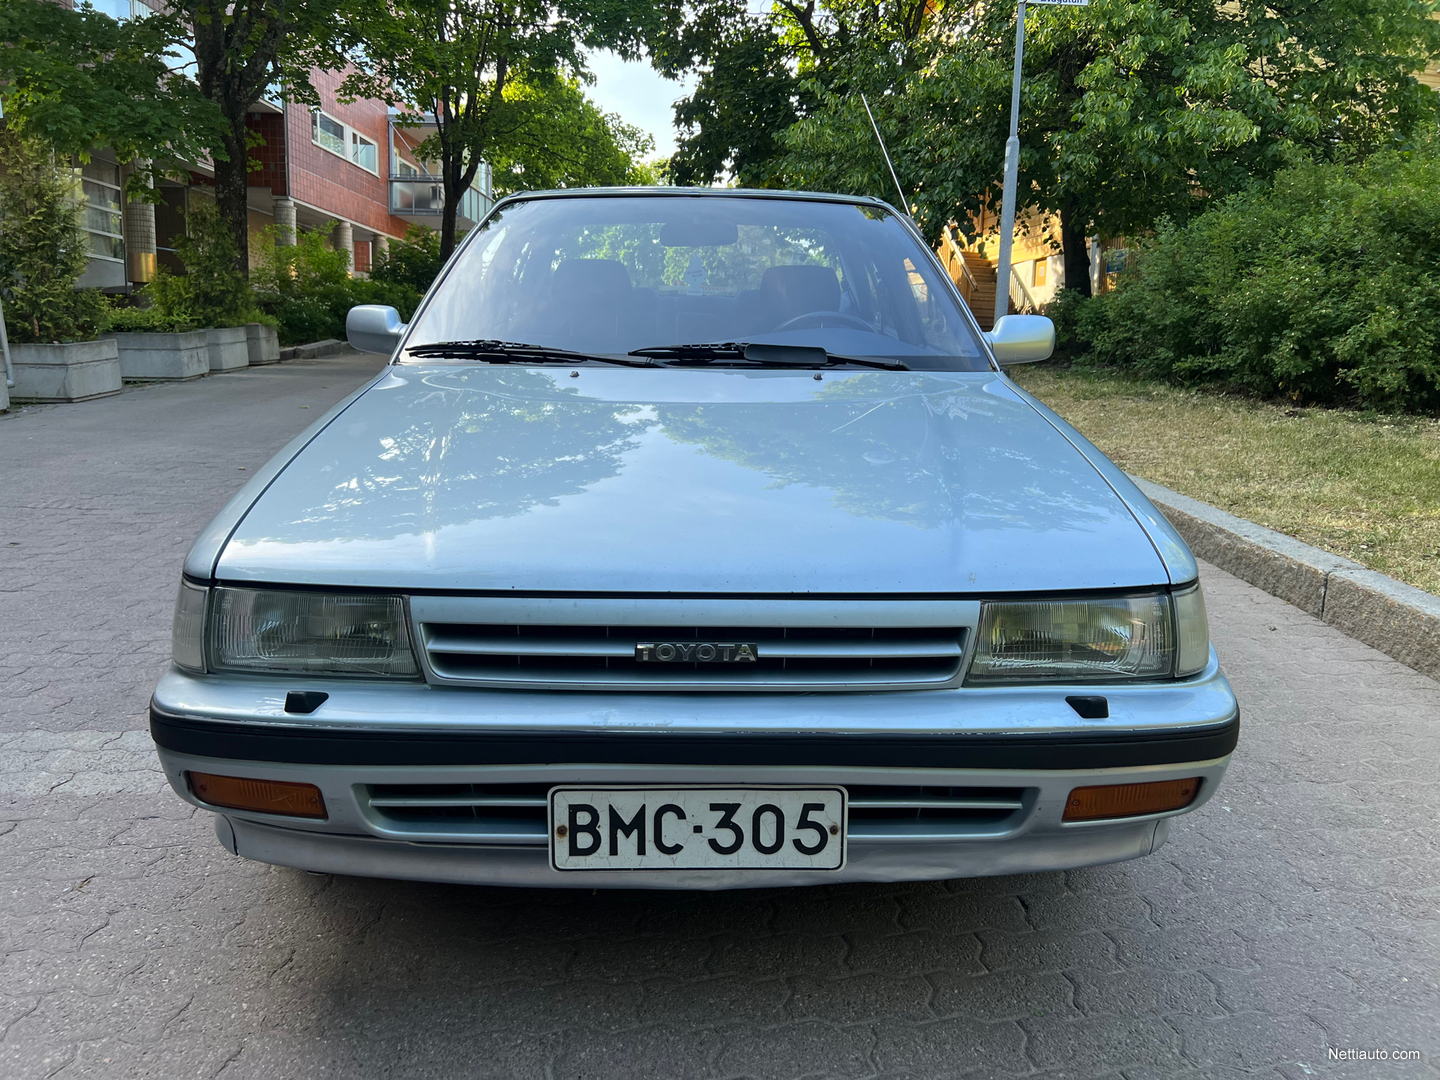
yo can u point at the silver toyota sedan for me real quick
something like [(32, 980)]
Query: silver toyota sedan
[(692, 539)]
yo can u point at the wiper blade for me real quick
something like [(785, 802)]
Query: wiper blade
[(763, 353), (515, 352)]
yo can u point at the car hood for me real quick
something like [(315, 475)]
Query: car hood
[(691, 481)]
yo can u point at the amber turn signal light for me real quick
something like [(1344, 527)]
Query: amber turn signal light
[(264, 796), (1128, 800)]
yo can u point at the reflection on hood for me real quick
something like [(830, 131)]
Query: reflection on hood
[(696, 480)]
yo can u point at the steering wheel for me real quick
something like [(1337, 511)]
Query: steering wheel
[(818, 319)]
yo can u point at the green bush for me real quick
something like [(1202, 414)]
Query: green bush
[(1075, 317), (213, 291), (413, 262), (147, 320), (1323, 288), (307, 288), (42, 248)]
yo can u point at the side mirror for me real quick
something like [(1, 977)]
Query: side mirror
[(374, 328), (1017, 339)]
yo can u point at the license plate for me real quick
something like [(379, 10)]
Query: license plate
[(695, 828)]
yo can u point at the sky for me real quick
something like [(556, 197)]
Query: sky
[(639, 95)]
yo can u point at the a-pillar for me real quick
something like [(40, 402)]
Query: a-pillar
[(140, 234), (378, 247), (284, 221), (345, 241)]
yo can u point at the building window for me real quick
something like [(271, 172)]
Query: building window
[(170, 226), (404, 168), (1041, 266), (104, 208), (341, 139), (327, 133), (362, 152)]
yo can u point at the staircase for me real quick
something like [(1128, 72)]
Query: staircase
[(982, 296), (974, 277)]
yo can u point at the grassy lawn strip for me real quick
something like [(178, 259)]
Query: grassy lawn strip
[(1363, 486)]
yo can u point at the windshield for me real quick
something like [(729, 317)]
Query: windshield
[(613, 274)]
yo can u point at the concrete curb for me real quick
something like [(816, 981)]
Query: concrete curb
[(1398, 619), (314, 350)]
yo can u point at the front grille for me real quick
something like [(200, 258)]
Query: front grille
[(938, 813), (516, 813), (478, 813), (604, 657)]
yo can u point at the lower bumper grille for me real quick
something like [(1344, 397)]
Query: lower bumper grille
[(694, 657), (516, 813)]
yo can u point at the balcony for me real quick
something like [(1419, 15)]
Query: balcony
[(421, 199)]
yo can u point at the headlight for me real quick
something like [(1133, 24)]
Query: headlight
[(274, 631), (1092, 640)]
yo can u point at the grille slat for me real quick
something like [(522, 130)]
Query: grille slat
[(516, 646), (935, 804), (604, 657), (445, 801)]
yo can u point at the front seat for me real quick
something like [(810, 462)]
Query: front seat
[(787, 292), (591, 302)]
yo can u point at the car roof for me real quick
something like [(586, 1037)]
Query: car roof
[(702, 192)]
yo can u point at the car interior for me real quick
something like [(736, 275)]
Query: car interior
[(595, 300)]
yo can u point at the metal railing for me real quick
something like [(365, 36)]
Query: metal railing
[(1020, 298), (425, 195), (954, 258)]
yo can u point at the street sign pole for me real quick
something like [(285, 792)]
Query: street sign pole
[(1012, 174), (1012, 162)]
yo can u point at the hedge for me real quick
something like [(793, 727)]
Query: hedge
[(1321, 288)]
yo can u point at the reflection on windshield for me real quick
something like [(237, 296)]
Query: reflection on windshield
[(612, 274)]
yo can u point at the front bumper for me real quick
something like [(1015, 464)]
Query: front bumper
[(1026, 741)]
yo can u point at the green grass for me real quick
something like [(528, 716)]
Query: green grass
[(1360, 485)]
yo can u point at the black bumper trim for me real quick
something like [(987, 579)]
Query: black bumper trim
[(328, 746)]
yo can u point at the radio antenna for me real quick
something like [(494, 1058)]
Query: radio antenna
[(904, 202)]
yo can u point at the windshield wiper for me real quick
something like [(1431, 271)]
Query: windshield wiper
[(764, 353), (515, 352)]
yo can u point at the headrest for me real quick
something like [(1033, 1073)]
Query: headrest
[(801, 289), (578, 278)]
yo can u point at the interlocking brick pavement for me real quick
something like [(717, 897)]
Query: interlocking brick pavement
[(99, 502), (1294, 912)]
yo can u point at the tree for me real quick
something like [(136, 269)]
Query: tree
[(81, 79), (1132, 109), (243, 50), (562, 139), (760, 73), (450, 63), (76, 79)]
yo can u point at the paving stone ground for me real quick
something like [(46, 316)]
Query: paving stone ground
[(1293, 914)]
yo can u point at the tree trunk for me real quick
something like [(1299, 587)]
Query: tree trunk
[(232, 179), (1075, 245), (448, 215), (457, 179)]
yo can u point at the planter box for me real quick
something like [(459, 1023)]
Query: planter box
[(227, 348), (76, 372), (154, 357), (263, 343), (314, 350)]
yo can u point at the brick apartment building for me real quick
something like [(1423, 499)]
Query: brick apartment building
[(346, 168)]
